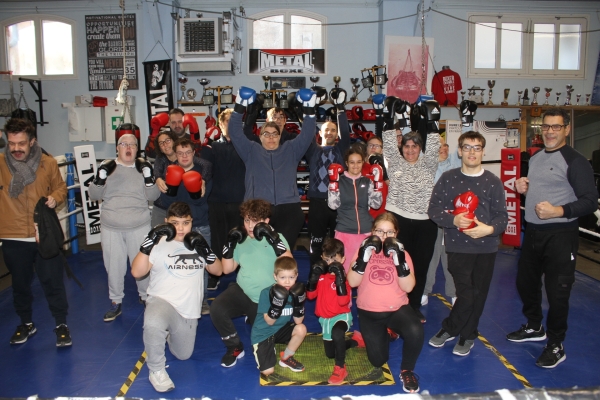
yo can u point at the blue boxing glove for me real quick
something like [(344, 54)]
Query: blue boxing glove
[(308, 99), (245, 97), (378, 100)]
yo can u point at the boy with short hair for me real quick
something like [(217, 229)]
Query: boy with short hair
[(176, 266), (327, 283), (254, 248), (283, 299)]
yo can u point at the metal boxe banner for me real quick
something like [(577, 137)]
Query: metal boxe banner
[(85, 159), (104, 40), (286, 61), (510, 172), (159, 93)]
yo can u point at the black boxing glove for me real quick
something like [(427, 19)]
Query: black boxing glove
[(298, 293), (195, 241), (368, 246), (394, 249), (338, 98), (264, 230), (316, 270), (105, 168), (153, 237), (145, 168), (278, 296), (235, 236), (389, 111), (340, 278)]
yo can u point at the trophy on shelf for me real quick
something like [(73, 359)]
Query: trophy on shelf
[(462, 95), (314, 80), (587, 99), (355, 87), (526, 97), (578, 98), (183, 80), (491, 84), (569, 91), (337, 80), (191, 94), (267, 78), (519, 94), (505, 101), (558, 98), (535, 90), (548, 90), (203, 82)]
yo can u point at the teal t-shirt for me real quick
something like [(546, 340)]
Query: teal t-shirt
[(261, 330), (256, 260)]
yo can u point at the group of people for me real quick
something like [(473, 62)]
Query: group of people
[(381, 217)]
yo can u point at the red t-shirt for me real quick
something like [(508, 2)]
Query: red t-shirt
[(329, 304), (445, 86)]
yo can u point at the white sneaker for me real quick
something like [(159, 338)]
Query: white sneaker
[(453, 300), (424, 300), (161, 381)]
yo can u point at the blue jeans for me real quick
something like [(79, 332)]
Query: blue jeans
[(205, 232)]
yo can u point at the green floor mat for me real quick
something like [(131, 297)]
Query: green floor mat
[(318, 367)]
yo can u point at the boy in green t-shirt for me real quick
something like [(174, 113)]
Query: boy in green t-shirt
[(276, 304)]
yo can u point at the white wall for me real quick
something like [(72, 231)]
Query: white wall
[(350, 48)]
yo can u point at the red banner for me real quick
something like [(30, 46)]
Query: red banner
[(510, 172)]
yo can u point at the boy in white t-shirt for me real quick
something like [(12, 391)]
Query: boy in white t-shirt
[(176, 266)]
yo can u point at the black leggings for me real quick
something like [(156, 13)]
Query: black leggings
[(337, 346), (233, 302), (404, 321)]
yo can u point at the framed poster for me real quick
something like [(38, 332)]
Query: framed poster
[(403, 57), (286, 61), (105, 51)]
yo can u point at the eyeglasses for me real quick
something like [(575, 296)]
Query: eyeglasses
[(374, 146), (185, 153), (270, 135), (128, 145), (166, 141), (380, 232), (555, 127), (467, 148), (277, 117)]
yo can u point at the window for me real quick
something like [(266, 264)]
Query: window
[(540, 46), (287, 29), (40, 46)]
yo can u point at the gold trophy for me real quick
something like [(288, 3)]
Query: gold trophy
[(505, 101), (266, 78), (548, 90), (491, 84), (535, 90), (336, 80)]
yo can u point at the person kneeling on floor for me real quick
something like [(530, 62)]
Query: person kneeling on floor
[(176, 266)]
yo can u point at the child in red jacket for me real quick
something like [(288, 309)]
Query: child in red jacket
[(327, 283)]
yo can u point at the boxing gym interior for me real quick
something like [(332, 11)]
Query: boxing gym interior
[(544, 53)]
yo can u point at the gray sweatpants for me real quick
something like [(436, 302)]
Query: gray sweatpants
[(162, 323), (439, 253), (158, 216), (116, 247)]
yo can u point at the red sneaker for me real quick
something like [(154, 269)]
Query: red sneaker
[(338, 376), (359, 339)]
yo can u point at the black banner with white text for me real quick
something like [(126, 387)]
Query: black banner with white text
[(159, 91)]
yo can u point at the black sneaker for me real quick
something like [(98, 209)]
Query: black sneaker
[(290, 363), (525, 334), (114, 312), (410, 381), (23, 333), (552, 355), (232, 355), (213, 283), (63, 337)]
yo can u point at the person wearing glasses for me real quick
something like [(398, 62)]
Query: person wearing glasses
[(411, 174), (559, 188), (472, 238), (271, 166), (125, 186)]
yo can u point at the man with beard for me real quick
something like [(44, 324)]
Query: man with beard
[(26, 175), (177, 121), (125, 186)]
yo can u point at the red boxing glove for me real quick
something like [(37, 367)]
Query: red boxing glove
[(210, 121), (173, 179), (157, 122), (377, 172), (466, 202), (192, 181), (334, 172), (190, 120)]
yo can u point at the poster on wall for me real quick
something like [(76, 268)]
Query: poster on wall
[(403, 57), (286, 61), (105, 51)]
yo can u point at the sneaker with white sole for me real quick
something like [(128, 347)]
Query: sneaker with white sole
[(233, 354), (23, 332), (552, 355), (290, 363), (463, 347), (440, 338), (114, 312), (161, 381), (453, 301), (424, 300), (410, 381), (526, 334), (63, 336)]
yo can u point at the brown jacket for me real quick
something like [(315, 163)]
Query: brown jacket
[(16, 215)]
